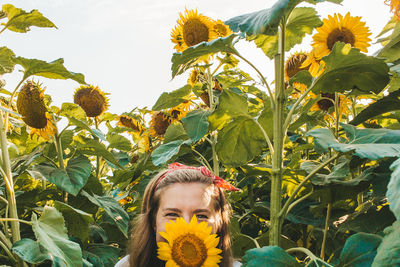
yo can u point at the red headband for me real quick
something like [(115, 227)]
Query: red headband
[(218, 181)]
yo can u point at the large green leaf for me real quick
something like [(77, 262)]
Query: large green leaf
[(113, 209), (77, 221), (230, 105), (52, 235), (196, 124), (302, 21), (388, 254), (172, 99), (71, 180), (119, 142), (359, 250), (366, 143), (175, 132), (7, 60), (30, 251), (183, 61), (342, 63), (165, 152), (52, 70), (72, 110), (393, 189), (20, 21), (269, 256), (240, 141), (83, 124), (101, 255), (266, 120), (387, 103), (391, 50), (266, 21)]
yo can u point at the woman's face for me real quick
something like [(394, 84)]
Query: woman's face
[(186, 200)]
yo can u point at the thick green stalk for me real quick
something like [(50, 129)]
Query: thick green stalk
[(327, 219), (213, 140), (98, 158), (279, 133), (60, 157)]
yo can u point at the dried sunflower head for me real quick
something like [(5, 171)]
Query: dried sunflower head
[(91, 99)]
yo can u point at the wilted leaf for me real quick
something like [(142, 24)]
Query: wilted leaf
[(172, 99), (342, 63), (269, 256), (52, 70), (52, 235), (183, 61), (239, 141), (112, 209), (20, 21)]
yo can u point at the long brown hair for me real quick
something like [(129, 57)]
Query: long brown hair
[(143, 246)]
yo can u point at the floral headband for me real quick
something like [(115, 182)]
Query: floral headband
[(218, 181)]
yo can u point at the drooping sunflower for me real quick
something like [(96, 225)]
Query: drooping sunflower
[(130, 122), (347, 29), (394, 7), (180, 111), (189, 245), (91, 99), (220, 29), (316, 66), (328, 101), (31, 105), (192, 28), (293, 65), (159, 123)]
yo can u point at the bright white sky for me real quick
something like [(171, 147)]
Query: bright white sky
[(124, 47)]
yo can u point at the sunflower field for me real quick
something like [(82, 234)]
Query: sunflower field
[(315, 153)]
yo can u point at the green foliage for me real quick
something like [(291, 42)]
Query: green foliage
[(7, 58), (301, 21), (21, 21), (101, 255), (165, 152), (52, 235), (393, 189), (72, 179), (183, 61), (30, 251), (170, 100), (391, 50), (271, 256), (388, 253), (359, 250), (196, 124), (342, 63)]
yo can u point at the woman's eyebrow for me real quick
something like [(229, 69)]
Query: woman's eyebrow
[(172, 209), (201, 210)]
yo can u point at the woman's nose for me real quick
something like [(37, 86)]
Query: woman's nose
[(187, 217)]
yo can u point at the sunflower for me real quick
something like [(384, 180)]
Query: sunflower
[(316, 66), (328, 101), (192, 28), (159, 123), (91, 99), (130, 122), (220, 29), (31, 105), (294, 64), (338, 29), (189, 245), (394, 7)]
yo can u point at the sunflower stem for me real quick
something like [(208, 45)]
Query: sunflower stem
[(326, 229), (97, 157), (279, 139), (203, 158), (6, 121), (60, 157)]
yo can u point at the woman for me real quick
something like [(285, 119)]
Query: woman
[(181, 191)]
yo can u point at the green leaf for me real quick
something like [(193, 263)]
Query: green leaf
[(240, 141), (183, 61), (303, 77), (165, 152), (359, 250), (77, 221), (102, 255), (53, 70), (92, 147), (52, 235), (119, 142), (71, 180), (268, 256), (7, 60), (391, 50), (393, 189), (301, 21), (71, 110), (175, 132), (20, 21), (366, 143), (342, 63), (388, 253), (172, 99), (230, 105), (83, 124), (112, 209), (30, 251), (196, 124), (386, 104), (266, 120)]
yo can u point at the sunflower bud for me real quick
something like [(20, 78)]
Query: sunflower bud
[(91, 99), (31, 106)]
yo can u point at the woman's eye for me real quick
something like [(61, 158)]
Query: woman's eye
[(202, 216), (172, 215)]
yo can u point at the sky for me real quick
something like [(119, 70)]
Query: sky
[(124, 47)]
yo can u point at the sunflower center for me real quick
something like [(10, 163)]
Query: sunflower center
[(189, 251), (340, 35), (294, 65), (194, 32), (327, 103)]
